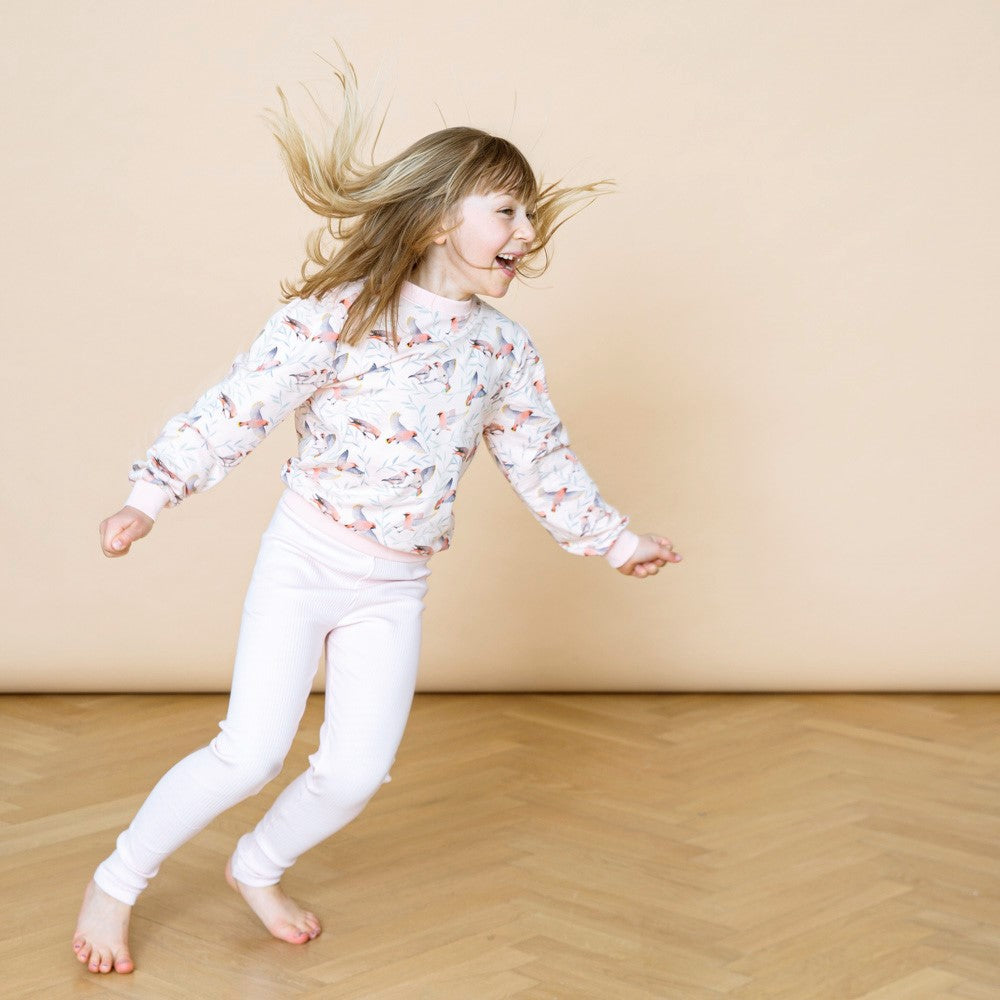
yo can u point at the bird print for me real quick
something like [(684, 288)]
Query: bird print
[(345, 463), (397, 478), (505, 346), (478, 389), (167, 472), (309, 376), (448, 496), (228, 461), (314, 472), (257, 421), (374, 370), (558, 496), (417, 336), (325, 506), (299, 329), (327, 334), (423, 373), (361, 524), (445, 420), (422, 475), (366, 428), (402, 434), (411, 520), (499, 392), (522, 417), (270, 361)]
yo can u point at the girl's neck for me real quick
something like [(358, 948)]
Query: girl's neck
[(420, 296)]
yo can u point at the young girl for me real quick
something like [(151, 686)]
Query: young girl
[(395, 368)]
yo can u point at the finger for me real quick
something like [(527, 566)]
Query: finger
[(118, 543)]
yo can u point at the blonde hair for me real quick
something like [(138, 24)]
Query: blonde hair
[(384, 216)]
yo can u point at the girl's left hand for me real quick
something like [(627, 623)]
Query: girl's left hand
[(652, 553)]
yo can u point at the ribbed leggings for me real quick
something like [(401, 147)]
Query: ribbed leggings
[(308, 590)]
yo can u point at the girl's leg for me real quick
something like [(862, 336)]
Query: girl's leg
[(291, 603), (372, 658), (280, 643)]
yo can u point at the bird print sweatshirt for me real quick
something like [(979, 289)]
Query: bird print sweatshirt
[(385, 432)]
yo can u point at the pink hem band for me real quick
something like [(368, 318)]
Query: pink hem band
[(147, 497), (623, 549), (326, 524)]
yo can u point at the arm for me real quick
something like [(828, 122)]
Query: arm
[(283, 366), (530, 445)]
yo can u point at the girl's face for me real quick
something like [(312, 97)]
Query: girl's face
[(467, 260)]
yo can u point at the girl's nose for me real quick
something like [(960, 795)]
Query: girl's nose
[(526, 231)]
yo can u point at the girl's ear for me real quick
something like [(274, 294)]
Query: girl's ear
[(448, 222)]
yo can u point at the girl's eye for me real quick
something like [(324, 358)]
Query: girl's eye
[(507, 210)]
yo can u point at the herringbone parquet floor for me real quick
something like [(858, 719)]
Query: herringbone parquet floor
[(543, 847)]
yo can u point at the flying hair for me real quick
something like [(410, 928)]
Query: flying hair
[(382, 217)]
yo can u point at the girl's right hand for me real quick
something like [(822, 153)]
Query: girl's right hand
[(119, 531), (651, 555)]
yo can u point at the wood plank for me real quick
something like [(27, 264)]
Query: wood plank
[(542, 847)]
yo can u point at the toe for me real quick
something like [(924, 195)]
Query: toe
[(123, 962), (83, 952), (294, 935)]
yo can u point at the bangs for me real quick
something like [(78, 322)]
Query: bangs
[(502, 167)]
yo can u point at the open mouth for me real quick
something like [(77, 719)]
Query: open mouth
[(508, 264)]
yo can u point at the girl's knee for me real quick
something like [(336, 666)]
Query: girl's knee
[(347, 784), (252, 767)]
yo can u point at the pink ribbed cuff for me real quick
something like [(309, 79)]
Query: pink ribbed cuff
[(147, 497), (622, 550)]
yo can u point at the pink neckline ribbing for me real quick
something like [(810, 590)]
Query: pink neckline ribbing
[(438, 303)]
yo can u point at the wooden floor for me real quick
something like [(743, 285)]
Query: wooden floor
[(614, 847)]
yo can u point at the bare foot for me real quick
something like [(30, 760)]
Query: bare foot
[(101, 939), (279, 913)]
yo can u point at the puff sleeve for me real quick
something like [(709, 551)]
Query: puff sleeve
[(289, 360)]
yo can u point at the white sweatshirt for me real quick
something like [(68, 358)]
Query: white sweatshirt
[(385, 434)]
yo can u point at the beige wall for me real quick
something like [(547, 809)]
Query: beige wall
[(777, 343)]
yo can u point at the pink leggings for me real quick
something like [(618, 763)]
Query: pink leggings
[(308, 590)]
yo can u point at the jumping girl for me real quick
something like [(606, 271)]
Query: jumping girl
[(395, 369)]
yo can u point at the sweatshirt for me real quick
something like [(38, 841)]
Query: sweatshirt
[(385, 433)]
